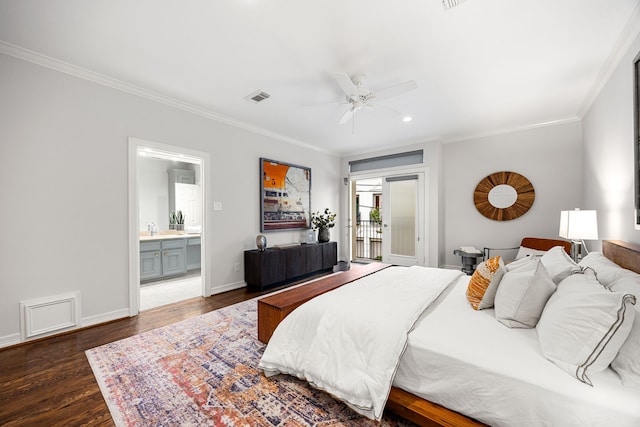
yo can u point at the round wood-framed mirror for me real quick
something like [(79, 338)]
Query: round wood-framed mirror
[(503, 196)]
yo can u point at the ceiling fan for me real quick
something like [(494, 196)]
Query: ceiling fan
[(359, 97)]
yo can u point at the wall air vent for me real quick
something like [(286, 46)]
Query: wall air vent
[(257, 96)]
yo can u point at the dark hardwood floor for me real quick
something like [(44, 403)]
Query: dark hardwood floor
[(50, 383)]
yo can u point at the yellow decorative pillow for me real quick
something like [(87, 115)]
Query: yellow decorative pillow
[(483, 285)]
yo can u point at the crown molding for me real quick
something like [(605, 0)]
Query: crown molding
[(452, 139), (462, 138), (110, 82), (628, 35)]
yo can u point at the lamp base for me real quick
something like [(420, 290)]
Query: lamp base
[(576, 250)]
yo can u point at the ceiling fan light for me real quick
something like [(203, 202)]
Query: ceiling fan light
[(407, 119)]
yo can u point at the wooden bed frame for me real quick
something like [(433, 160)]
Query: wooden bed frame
[(274, 308), (533, 243)]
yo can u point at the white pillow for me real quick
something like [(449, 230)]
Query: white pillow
[(522, 295), (526, 263), (584, 325), (607, 271), (627, 362), (558, 264), (528, 252)]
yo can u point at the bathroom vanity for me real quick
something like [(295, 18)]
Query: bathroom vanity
[(168, 255)]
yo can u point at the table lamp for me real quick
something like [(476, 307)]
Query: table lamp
[(578, 225)]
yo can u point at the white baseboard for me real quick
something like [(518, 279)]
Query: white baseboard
[(227, 287), (8, 340), (105, 317), (16, 338)]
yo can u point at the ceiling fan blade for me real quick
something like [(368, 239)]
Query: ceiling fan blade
[(392, 111), (347, 116), (396, 90), (324, 104), (345, 83)]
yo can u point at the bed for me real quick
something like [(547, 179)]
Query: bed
[(530, 246), (495, 374)]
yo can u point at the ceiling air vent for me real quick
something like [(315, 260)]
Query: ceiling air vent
[(448, 4), (257, 96)]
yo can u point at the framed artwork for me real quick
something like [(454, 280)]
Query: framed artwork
[(285, 192)]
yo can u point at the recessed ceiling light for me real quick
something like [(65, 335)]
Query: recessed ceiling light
[(407, 119)]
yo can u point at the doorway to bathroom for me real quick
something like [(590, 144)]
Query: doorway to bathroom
[(167, 222)]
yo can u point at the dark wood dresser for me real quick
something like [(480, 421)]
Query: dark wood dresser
[(277, 266)]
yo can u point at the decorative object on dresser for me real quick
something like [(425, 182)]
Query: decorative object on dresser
[(503, 196), (277, 266), (577, 225), (261, 242), (323, 222), (309, 237), (285, 192)]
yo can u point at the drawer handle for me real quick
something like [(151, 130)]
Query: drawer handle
[(164, 253), (157, 254)]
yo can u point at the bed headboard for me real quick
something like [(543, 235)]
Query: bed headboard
[(626, 255), (545, 244)]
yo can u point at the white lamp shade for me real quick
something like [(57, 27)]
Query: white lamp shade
[(579, 225)]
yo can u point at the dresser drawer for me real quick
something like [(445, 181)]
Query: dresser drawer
[(173, 244), (150, 246)]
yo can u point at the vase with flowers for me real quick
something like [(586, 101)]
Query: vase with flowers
[(323, 222), (180, 222)]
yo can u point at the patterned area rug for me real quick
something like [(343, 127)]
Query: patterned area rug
[(203, 371)]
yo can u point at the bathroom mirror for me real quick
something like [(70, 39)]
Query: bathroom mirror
[(168, 185)]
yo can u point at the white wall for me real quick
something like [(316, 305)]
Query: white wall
[(608, 155), (63, 164), (550, 157)]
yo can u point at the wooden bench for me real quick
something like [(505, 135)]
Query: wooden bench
[(274, 308)]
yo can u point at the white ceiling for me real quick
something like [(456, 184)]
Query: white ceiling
[(484, 66)]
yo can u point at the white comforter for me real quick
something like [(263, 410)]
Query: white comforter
[(348, 342)]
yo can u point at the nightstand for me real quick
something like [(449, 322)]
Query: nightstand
[(469, 260)]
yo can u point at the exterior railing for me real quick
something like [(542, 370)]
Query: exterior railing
[(369, 240)]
